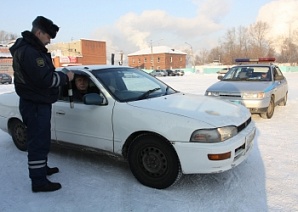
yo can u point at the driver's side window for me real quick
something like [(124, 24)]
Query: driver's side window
[(81, 85)]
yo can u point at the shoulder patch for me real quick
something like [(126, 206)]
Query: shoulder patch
[(40, 62)]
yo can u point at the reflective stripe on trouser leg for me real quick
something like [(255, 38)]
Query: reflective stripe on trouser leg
[(37, 118)]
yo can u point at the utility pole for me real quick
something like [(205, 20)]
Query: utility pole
[(152, 57), (192, 56)]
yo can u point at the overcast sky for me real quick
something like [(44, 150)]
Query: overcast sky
[(130, 25)]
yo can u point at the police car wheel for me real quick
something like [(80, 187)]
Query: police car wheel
[(270, 110), (18, 133), (284, 101)]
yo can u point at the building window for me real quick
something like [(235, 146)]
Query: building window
[(171, 59), (158, 59), (133, 61), (180, 59), (139, 61), (145, 60)]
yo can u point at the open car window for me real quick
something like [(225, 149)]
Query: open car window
[(63, 90)]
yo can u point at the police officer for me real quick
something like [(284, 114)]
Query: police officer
[(36, 82)]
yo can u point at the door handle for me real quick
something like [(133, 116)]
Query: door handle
[(60, 113)]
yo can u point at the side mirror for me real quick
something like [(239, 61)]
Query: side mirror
[(93, 99), (219, 77)]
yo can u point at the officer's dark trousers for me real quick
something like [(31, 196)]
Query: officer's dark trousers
[(37, 118)]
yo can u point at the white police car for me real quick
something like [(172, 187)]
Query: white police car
[(258, 86), (160, 131)]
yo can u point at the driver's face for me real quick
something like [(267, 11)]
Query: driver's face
[(81, 83)]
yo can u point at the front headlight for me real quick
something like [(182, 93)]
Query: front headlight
[(259, 95), (213, 135), (211, 93)]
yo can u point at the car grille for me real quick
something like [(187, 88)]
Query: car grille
[(248, 141), (242, 126), (229, 95)]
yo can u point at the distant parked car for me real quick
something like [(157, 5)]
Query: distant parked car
[(223, 71), (158, 73), (170, 72), (179, 72), (5, 78)]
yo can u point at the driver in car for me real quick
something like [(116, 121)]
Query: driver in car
[(81, 87)]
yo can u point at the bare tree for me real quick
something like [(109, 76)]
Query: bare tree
[(289, 52), (202, 57), (258, 41), (243, 42), (215, 55), (229, 46), (5, 37)]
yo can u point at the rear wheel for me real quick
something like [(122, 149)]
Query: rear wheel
[(18, 134), (154, 162), (270, 110)]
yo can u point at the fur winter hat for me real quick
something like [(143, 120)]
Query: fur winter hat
[(46, 25)]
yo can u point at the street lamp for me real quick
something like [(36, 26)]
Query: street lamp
[(192, 55)]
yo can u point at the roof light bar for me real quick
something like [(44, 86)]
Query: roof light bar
[(261, 59)]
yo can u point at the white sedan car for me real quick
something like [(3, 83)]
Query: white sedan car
[(161, 132)]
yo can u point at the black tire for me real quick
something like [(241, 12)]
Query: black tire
[(284, 101), (153, 161), (19, 135), (270, 110)]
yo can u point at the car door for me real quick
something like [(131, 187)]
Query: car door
[(87, 125), (280, 83)]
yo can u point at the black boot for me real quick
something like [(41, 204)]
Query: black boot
[(53, 170), (49, 186)]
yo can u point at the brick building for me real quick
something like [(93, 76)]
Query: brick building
[(81, 52), (159, 57), (5, 60)]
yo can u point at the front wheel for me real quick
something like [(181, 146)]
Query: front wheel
[(270, 110), (19, 134), (153, 161)]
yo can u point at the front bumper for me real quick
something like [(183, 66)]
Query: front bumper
[(254, 105), (194, 156)]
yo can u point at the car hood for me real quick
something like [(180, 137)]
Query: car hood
[(240, 86), (215, 112)]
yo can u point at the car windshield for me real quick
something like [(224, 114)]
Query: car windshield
[(130, 84), (248, 73)]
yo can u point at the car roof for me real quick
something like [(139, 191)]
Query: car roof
[(91, 67)]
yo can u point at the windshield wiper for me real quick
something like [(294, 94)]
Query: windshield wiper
[(147, 93)]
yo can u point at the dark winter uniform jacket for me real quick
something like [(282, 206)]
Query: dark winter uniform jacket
[(35, 77)]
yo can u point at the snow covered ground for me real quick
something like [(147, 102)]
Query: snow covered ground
[(267, 181)]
